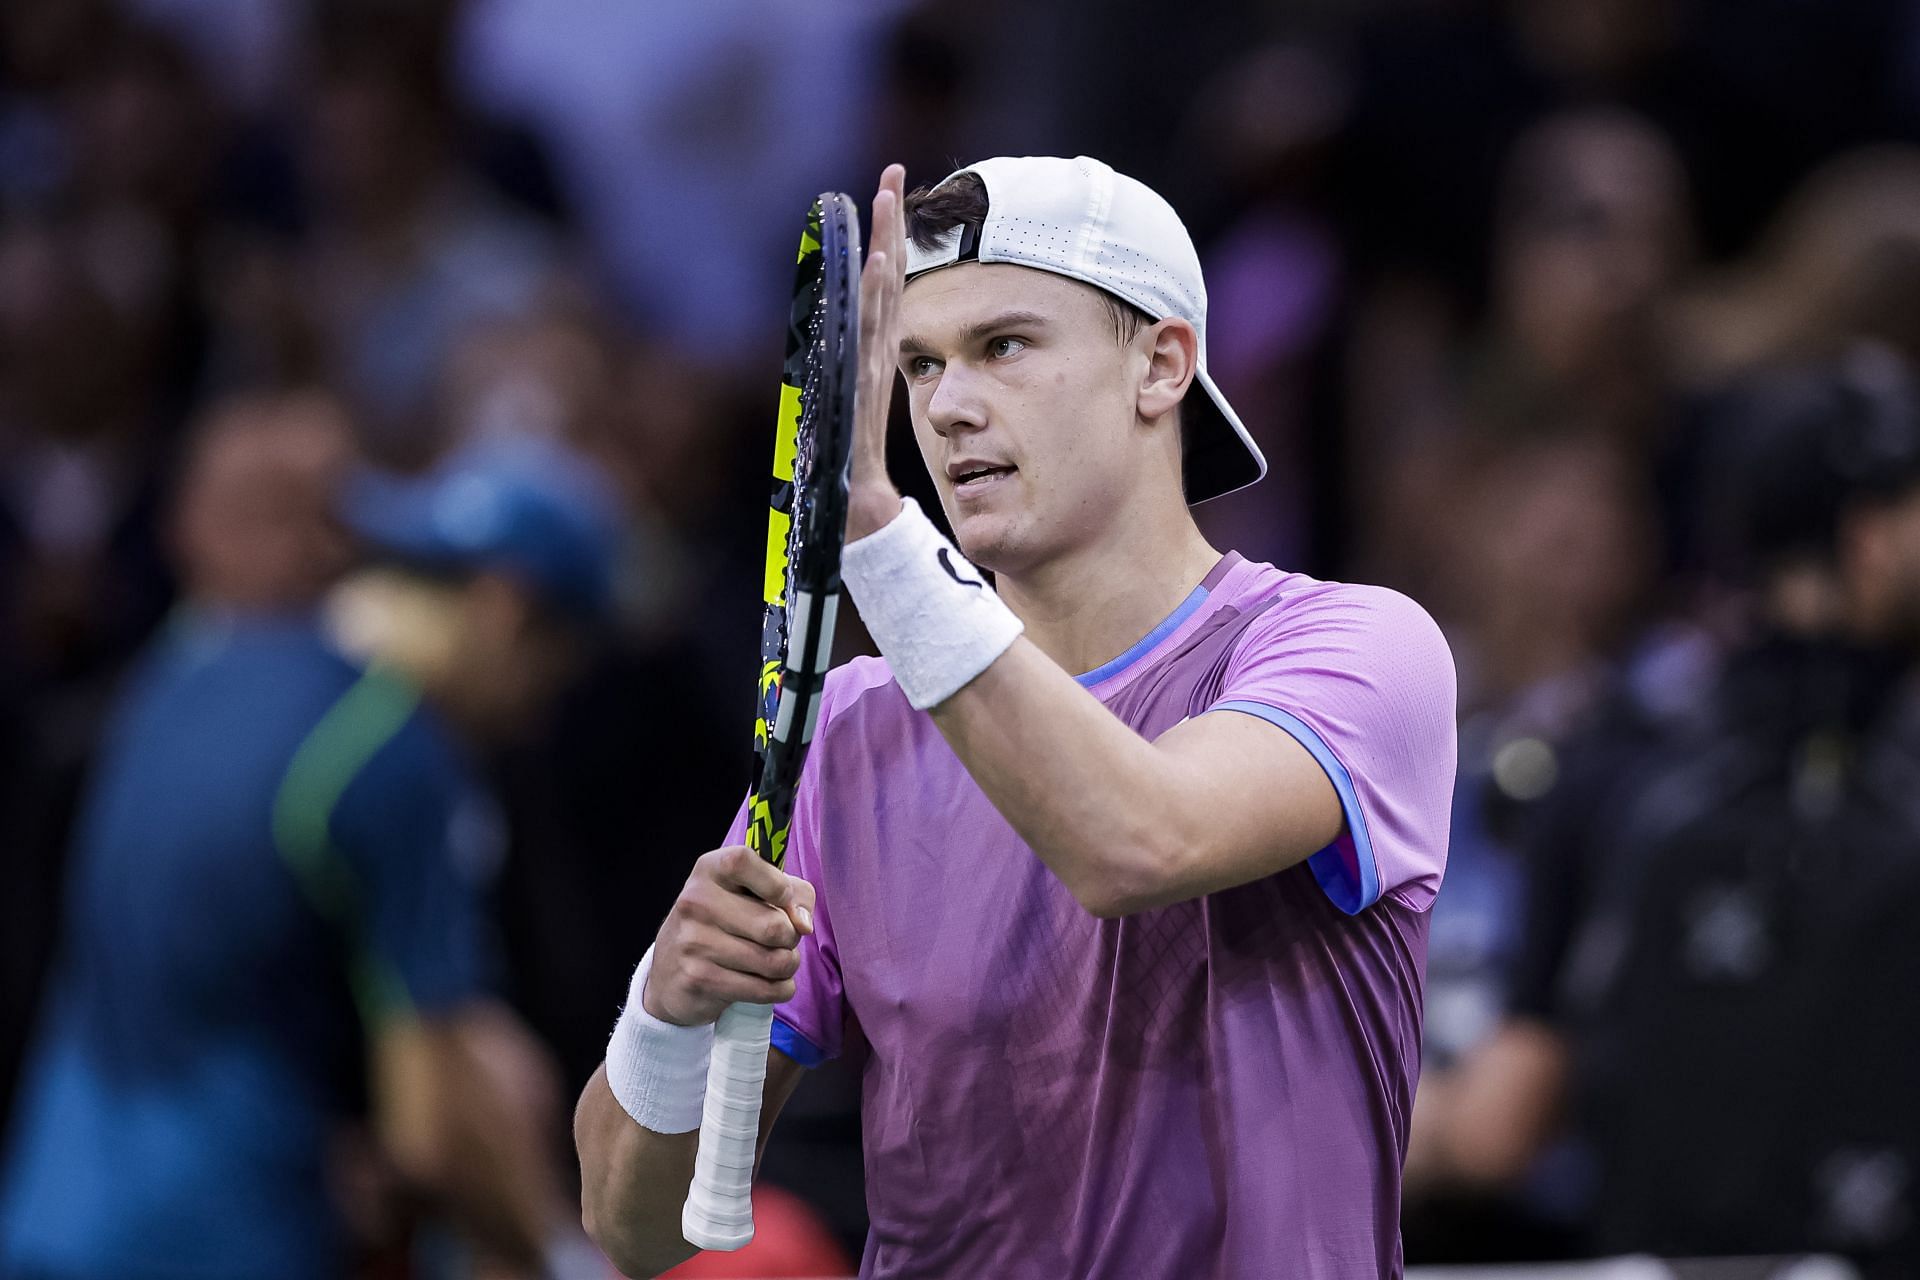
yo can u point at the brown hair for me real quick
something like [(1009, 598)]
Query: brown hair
[(961, 201)]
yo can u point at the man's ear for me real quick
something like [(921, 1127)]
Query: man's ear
[(1173, 357)]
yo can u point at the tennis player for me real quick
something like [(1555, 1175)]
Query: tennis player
[(1112, 876)]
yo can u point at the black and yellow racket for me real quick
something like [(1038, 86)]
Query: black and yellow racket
[(805, 527)]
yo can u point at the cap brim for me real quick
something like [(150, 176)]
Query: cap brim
[(1220, 456)]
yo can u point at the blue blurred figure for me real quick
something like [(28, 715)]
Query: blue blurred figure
[(277, 917)]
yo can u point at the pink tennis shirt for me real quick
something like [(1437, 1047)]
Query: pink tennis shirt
[(1219, 1088)]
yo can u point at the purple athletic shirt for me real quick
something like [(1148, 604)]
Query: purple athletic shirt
[(1219, 1088)]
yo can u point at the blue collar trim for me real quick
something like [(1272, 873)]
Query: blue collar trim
[(1146, 643)]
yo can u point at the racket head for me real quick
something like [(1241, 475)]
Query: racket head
[(807, 512)]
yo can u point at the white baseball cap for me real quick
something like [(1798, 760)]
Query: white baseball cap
[(1079, 218)]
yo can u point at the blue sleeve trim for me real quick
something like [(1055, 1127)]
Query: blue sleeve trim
[(1352, 888), (796, 1046)]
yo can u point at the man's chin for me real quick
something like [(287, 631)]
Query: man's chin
[(983, 539), (996, 546)]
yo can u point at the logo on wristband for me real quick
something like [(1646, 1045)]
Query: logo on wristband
[(946, 562)]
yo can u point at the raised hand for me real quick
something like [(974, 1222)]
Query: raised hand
[(872, 499)]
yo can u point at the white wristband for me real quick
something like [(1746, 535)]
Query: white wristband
[(657, 1070), (930, 611)]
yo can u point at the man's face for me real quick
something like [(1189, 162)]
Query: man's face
[(255, 526), (1025, 409), (1581, 269)]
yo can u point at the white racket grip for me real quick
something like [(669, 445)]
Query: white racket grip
[(719, 1209)]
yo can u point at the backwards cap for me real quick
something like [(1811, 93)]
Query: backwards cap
[(1080, 219)]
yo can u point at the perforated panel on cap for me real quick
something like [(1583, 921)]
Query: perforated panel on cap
[(1081, 219), (1150, 278)]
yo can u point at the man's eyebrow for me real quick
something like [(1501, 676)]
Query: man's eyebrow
[(973, 333)]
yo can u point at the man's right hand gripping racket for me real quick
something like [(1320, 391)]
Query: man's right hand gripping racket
[(806, 524)]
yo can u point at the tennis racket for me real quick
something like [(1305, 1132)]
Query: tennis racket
[(806, 523)]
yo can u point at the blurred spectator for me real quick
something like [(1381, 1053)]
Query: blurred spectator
[(1547, 564), (1550, 559), (1590, 238), (675, 129), (1549, 556), (1591, 241), (1713, 878), (82, 580), (1841, 262), (406, 252), (277, 839), (253, 530)]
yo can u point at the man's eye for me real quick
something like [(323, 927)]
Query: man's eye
[(1001, 348), (922, 367)]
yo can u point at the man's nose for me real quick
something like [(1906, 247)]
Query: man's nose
[(958, 402)]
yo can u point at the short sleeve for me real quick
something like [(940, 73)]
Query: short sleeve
[(810, 1027), (420, 842), (1362, 678)]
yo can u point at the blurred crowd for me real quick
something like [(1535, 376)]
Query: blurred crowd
[(1588, 323)]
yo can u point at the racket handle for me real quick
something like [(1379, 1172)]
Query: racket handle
[(719, 1209)]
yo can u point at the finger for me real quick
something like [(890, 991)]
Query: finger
[(878, 347), (891, 237), (741, 915), (900, 220), (888, 260), (893, 181), (889, 318), (740, 868), (711, 984), (893, 186), (755, 899), (886, 221), (739, 988), (874, 282), (739, 955)]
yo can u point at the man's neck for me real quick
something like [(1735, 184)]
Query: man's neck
[(1086, 609)]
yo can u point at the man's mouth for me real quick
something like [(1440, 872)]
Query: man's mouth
[(979, 474)]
